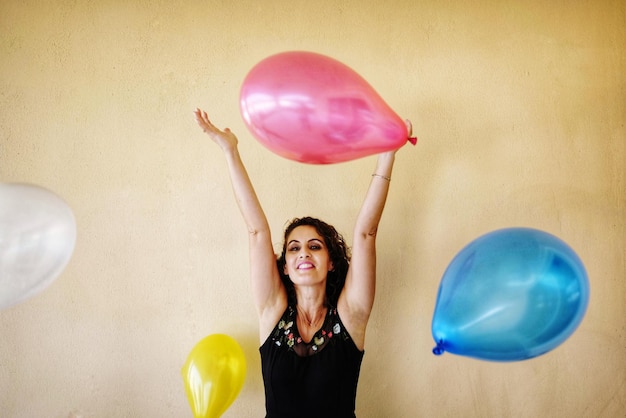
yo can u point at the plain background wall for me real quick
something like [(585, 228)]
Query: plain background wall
[(519, 108)]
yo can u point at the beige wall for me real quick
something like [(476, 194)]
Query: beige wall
[(520, 110)]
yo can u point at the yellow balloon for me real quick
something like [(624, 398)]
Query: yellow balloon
[(214, 374)]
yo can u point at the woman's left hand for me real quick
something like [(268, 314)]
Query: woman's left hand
[(409, 129)]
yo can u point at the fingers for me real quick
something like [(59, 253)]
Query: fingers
[(201, 116), (203, 120), (409, 126), (198, 114), (207, 127)]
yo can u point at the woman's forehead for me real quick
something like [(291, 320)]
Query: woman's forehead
[(304, 233)]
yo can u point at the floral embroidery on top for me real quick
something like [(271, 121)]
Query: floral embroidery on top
[(286, 332)]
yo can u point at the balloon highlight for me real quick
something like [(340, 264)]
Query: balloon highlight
[(512, 294), (214, 374), (37, 238), (310, 108)]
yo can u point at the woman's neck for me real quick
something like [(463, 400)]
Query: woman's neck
[(311, 317), (311, 305)]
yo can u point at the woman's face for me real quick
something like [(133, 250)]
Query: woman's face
[(306, 256)]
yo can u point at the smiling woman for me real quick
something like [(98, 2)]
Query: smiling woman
[(314, 300), (318, 238)]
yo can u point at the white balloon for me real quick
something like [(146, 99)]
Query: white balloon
[(37, 238)]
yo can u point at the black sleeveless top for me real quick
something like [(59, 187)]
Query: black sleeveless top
[(315, 379)]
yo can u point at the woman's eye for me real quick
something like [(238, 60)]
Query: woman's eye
[(315, 247), (293, 249)]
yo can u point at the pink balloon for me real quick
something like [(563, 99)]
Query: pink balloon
[(311, 108)]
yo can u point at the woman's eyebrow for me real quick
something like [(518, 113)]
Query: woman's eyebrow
[(311, 240)]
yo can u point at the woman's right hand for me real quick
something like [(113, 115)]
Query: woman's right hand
[(225, 139)]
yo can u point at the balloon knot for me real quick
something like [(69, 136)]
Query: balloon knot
[(413, 140), (438, 350)]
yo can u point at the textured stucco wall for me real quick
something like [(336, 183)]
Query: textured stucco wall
[(520, 110)]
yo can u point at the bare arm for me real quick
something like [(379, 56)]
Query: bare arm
[(357, 297), (268, 291)]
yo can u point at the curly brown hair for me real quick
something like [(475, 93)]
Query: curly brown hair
[(338, 252)]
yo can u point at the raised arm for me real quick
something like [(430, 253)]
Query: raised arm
[(268, 291), (357, 297)]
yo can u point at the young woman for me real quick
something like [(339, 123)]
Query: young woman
[(314, 301)]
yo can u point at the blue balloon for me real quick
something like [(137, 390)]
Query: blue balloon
[(510, 295)]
